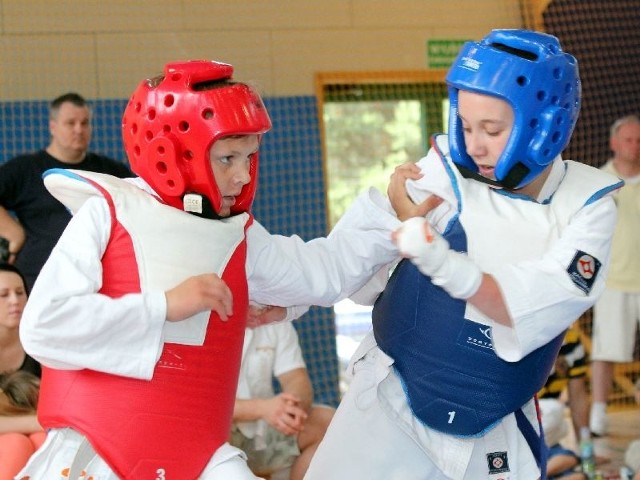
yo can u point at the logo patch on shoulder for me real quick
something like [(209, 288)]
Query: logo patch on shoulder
[(498, 462), (583, 270)]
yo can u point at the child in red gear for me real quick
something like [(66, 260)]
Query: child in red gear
[(139, 314)]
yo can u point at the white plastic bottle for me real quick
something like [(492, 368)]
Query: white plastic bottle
[(587, 454)]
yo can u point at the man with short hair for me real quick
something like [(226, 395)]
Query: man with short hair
[(38, 219)]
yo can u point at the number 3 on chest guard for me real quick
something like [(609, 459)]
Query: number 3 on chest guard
[(161, 474), (451, 416)]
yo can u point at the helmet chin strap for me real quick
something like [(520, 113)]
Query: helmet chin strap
[(513, 178), (200, 206)]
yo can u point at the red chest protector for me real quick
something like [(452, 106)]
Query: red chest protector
[(170, 426)]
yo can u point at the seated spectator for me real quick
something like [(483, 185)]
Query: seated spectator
[(562, 462), (20, 432), (13, 298), (569, 374), (568, 377), (278, 432)]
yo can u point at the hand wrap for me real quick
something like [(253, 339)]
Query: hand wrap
[(458, 275)]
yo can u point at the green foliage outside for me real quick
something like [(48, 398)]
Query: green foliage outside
[(365, 141)]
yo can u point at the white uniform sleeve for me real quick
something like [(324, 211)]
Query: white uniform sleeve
[(293, 313), (287, 271), (369, 293), (68, 325), (541, 297), (436, 181)]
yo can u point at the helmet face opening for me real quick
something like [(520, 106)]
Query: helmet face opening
[(171, 122), (529, 71)]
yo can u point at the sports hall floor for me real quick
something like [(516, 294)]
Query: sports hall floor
[(624, 426)]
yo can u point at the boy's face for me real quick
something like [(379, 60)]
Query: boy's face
[(230, 160), (486, 122)]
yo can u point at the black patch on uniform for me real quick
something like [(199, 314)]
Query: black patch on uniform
[(583, 270), (498, 462)]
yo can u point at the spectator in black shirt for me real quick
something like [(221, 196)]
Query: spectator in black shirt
[(38, 219)]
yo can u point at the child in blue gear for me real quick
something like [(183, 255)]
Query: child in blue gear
[(139, 314), (513, 249)]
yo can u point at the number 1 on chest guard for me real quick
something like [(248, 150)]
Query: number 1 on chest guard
[(451, 416)]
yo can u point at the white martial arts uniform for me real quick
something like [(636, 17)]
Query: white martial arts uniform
[(375, 434), (124, 336)]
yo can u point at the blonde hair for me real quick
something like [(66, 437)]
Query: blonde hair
[(18, 393)]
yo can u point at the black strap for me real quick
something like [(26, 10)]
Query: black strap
[(515, 176)]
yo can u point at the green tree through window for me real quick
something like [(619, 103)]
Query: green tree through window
[(365, 141)]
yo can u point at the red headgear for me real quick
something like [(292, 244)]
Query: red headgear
[(169, 128)]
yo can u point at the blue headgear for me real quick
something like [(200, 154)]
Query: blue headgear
[(529, 71)]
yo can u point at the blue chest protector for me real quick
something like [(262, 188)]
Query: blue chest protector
[(454, 381)]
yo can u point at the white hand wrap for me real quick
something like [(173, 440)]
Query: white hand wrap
[(458, 275)]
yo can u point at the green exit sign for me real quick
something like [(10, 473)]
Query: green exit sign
[(442, 53)]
